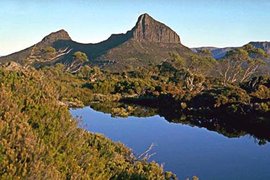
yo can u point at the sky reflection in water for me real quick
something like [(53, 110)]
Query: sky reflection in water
[(183, 149)]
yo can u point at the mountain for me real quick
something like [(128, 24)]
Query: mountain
[(219, 53), (33, 53), (148, 42), (149, 30)]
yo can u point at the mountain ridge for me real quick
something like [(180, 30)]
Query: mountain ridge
[(219, 53), (22, 55), (149, 41)]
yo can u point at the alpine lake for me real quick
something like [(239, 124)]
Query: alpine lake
[(187, 146)]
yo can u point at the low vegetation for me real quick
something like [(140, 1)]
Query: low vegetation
[(187, 85), (40, 139)]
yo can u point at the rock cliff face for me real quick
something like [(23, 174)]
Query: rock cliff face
[(150, 30), (148, 42)]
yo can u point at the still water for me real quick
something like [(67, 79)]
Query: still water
[(183, 149)]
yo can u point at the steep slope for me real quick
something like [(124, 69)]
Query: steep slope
[(150, 30), (148, 42), (33, 53)]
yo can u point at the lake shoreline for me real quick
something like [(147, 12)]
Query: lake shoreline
[(153, 129)]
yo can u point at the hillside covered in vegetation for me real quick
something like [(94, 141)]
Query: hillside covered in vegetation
[(40, 139), (147, 66)]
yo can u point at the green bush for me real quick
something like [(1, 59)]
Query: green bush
[(78, 55), (218, 96), (40, 140)]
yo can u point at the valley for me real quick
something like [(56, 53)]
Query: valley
[(144, 72)]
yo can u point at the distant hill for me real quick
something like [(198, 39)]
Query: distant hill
[(219, 53), (148, 42), (263, 45)]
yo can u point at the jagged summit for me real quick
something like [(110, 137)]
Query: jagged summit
[(148, 42), (148, 29)]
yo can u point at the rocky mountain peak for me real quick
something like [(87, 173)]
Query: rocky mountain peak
[(55, 36), (149, 41), (149, 30)]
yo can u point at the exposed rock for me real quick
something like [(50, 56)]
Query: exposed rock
[(55, 36), (148, 42), (148, 29)]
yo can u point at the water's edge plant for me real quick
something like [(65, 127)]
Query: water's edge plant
[(40, 139)]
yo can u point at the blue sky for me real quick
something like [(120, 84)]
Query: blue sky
[(198, 22)]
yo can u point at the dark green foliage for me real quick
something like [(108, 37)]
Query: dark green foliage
[(219, 96)]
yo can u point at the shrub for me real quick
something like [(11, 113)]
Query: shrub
[(262, 93), (40, 140), (220, 96), (78, 55)]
